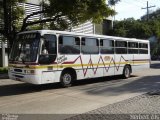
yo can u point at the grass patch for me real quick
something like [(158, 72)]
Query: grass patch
[(3, 70)]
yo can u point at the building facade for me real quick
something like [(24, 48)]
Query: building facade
[(34, 5), (3, 42)]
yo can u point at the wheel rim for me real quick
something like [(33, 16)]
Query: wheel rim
[(127, 72), (67, 78)]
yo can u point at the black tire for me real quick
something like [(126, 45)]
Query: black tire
[(66, 79), (126, 72)]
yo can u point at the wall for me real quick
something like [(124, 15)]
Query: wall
[(6, 58)]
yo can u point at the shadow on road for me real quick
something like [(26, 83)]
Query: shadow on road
[(24, 88), (144, 84), (140, 85), (113, 79), (113, 86), (155, 66)]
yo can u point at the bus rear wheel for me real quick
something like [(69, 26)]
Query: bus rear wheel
[(126, 71), (66, 79)]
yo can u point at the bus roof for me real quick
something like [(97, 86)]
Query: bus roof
[(85, 35)]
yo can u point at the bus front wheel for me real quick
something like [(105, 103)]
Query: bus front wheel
[(66, 79), (127, 71)]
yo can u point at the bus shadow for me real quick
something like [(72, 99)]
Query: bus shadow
[(24, 88), (155, 66), (141, 85), (113, 79)]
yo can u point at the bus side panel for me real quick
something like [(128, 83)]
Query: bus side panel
[(120, 61), (57, 76), (70, 61), (96, 65), (83, 69), (129, 60), (141, 61), (87, 66), (108, 64)]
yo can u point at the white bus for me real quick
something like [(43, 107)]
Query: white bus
[(47, 56)]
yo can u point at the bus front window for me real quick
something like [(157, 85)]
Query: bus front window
[(25, 48)]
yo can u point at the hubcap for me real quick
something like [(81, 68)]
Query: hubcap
[(67, 78)]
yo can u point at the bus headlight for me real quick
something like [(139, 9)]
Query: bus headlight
[(29, 71)]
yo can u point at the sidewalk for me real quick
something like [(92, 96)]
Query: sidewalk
[(4, 76), (144, 107)]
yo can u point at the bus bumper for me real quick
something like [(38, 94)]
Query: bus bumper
[(33, 79)]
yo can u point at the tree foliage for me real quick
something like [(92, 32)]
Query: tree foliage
[(152, 15), (113, 2), (57, 14), (136, 28), (11, 15), (141, 29), (62, 14)]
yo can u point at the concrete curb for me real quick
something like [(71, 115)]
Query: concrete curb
[(4, 76)]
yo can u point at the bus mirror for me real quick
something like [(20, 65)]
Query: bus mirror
[(46, 59), (43, 59)]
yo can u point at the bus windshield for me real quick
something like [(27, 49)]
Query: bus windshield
[(25, 48)]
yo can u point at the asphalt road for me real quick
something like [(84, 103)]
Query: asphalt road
[(84, 96)]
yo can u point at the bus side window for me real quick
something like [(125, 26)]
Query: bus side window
[(77, 41), (61, 40), (97, 42), (101, 42), (121, 47), (90, 46), (143, 48), (69, 45), (106, 46), (132, 48), (83, 41)]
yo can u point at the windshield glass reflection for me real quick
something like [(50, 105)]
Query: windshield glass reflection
[(25, 48)]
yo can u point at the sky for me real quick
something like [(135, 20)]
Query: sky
[(133, 8)]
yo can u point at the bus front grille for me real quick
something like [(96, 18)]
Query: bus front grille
[(17, 70), (19, 76)]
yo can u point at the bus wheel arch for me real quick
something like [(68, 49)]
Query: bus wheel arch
[(68, 76), (127, 70)]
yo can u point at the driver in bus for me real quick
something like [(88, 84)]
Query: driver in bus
[(44, 47)]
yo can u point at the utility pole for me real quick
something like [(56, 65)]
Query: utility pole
[(148, 10)]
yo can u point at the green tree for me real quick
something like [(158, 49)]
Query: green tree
[(153, 15), (58, 14), (11, 14), (113, 2), (62, 14), (136, 28), (139, 29)]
